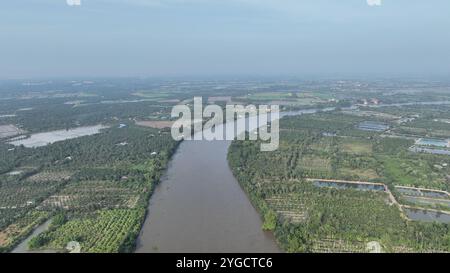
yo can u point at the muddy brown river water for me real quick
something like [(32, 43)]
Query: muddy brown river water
[(200, 207)]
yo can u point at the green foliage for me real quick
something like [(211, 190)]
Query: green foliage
[(344, 220), (80, 177), (37, 242), (58, 220), (270, 221), (103, 231), (22, 226)]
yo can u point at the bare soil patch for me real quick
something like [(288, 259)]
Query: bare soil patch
[(159, 124)]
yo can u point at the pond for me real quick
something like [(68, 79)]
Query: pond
[(422, 192), (373, 126), (343, 185), (426, 215), (432, 142), (43, 139), (416, 149)]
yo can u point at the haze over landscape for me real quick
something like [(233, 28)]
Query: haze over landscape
[(58, 38)]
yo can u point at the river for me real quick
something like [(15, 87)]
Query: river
[(200, 207)]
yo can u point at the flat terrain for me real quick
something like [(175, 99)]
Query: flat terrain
[(335, 217), (159, 124), (89, 186)]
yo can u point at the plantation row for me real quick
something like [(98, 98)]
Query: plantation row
[(306, 218), (102, 232), (84, 176)]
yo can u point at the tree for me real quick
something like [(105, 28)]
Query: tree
[(270, 221)]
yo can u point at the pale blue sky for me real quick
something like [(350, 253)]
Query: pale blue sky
[(48, 38)]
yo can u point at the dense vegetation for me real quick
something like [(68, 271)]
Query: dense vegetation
[(91, 183), (116, 169), (330, 146), (100, 232)]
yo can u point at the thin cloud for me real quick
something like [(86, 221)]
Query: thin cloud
[(73, 2), (373, 3)]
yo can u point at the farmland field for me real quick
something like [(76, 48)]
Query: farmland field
[(103, 231), (328, 219), (81, 178), (84, 183)]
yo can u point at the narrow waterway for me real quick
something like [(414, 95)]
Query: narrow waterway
[(23, 246)]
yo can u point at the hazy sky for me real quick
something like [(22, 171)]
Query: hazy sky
[(59, 38)]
